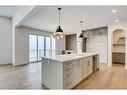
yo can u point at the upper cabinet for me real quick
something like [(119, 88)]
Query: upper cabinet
[(95, 32)]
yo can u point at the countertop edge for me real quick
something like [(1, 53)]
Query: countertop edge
[(69, 59)]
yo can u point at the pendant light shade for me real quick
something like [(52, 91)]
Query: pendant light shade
[(81, 35), (59, 32)]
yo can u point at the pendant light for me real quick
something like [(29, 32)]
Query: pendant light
[(59, 31), (81, 35)]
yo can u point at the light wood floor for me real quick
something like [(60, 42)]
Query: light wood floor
[(29, 77)]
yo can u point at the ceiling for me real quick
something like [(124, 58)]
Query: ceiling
[(93, 17), (8, 11), (47, 17)]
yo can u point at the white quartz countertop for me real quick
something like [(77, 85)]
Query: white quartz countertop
[(69, 57)]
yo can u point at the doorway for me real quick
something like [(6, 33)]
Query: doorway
[(118, 47)]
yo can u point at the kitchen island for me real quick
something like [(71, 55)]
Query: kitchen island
[(68, 70)]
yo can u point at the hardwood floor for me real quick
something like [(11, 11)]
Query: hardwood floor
[(29, 77), (106, 78)]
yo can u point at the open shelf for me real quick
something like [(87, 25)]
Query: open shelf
[(117, 44), (121, 37)]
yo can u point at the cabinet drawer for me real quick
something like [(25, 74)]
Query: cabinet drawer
[(68, 76), (68, 83), (67, 64), (89, 59), (67, 70)]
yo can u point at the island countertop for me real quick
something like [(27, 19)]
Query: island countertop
[(69, 57)]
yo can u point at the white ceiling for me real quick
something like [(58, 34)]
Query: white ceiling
[(8, 11), (47, 17)]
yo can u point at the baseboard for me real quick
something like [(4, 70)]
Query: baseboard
[(20, 64), (5, 64)]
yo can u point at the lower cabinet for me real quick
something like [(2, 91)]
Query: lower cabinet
[(81, 68), (89, 66), (84, 69), (66, 75), (77, 72), (118, 57)]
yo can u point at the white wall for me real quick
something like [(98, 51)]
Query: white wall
[(98, 44), (21, 13), (5, 40), (112, 28), (22, 44)]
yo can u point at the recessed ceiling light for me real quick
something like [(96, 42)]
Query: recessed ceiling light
[(113, 11), (95, 24), (116, 20)]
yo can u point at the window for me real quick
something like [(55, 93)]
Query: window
[(40, 46), (32, 48), (48, 46), (53, 49)]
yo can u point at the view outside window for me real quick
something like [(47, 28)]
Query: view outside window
[(53, 49), (48, 46), (40, 46), (33, 48)]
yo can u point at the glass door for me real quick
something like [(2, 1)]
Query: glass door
[(32, 48), (53, 47), (48, 46), (40, 47)]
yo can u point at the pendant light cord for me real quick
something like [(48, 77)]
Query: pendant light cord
[(59, 15), (81, 25)]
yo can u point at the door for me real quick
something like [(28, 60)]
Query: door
[(33, 48), (89, 66), (77, 72), (84, 68), (40, 47)]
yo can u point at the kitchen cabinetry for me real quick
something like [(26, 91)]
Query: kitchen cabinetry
[(66, 75), (89, 66), (82, 68), (118, 57), (77, 71)]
